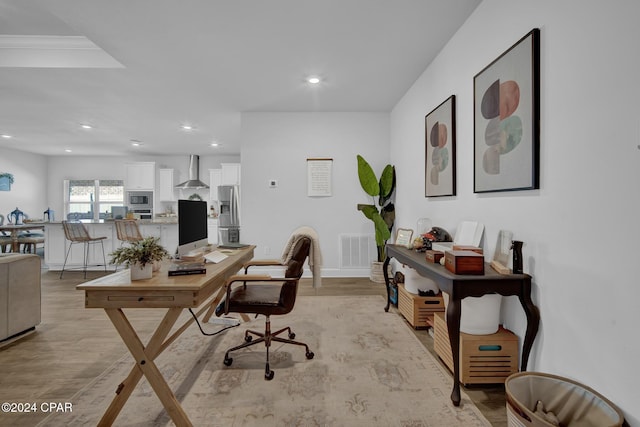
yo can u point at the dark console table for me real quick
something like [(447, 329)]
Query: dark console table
[(460, 286)]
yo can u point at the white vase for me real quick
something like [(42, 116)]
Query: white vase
[(139, 272)]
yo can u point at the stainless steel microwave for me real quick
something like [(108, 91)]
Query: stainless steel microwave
[(140, 200)]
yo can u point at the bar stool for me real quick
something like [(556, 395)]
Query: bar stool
[(76, 232), (128, 231)]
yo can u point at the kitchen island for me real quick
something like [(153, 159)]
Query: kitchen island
[(56, 245)]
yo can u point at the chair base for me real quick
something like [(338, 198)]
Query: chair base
[(267, 337)]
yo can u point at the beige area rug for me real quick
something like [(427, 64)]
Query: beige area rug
[(368, 370)]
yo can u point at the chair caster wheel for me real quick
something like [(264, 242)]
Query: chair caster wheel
[(248, 338), (228, 361), (268, 374), (310, 355), (292, 336)]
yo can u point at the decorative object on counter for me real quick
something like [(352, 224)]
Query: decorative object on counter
[(140, 257), (6, 179), (516, 246), (49, 215), (16, 217), (440, 149), (195, 196), (384, 212)]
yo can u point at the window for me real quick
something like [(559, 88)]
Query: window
[(92, 198)]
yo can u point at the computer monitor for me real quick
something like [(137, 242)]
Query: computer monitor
[(192, 226)]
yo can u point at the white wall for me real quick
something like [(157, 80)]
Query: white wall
[(582, 226), (29, 190), (276, 146)]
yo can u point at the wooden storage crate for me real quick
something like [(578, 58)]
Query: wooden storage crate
[(418, 310), (484, 359)]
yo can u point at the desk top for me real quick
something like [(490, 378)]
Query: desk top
[(162, 290)]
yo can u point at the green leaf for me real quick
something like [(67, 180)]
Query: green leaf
[(367, 177), (382, 230), (387, 184)]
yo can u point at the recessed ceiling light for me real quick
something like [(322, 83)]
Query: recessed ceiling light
[(86, 126), (314, 80), (67, 150), (136, 142), (5, 136), (215, 144), (187, 127)]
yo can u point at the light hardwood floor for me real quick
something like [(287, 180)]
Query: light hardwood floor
[(73, 345)]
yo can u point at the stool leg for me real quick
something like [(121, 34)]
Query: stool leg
[(65, 259)]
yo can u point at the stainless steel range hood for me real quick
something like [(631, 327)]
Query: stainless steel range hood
[(194, 175)]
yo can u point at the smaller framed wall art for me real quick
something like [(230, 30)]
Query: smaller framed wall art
[(440, 150)]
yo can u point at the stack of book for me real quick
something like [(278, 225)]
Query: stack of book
[(184, 268)]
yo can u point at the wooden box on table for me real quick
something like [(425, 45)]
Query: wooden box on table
[(418, 310), (464, 262), (484, 359)]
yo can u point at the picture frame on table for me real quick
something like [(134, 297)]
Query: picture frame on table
[(507, 119), (440, 150), (403, 237)]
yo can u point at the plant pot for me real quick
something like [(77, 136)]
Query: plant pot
[(156, 266), (140, 273), (377, 274)]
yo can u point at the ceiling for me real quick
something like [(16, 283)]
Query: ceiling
[(156, 65)]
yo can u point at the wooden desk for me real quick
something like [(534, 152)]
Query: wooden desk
[(116, 291), (461, 286), (15, 230)]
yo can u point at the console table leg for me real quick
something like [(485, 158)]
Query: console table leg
[(453, 327), (533, 322), (385, 272)]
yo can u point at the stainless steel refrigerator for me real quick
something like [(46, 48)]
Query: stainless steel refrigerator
[(229, 216)]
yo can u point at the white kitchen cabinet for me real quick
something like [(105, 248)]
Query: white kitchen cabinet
[(212, 231), (166, 186), (215, 179), (230, 173), (140, 176)]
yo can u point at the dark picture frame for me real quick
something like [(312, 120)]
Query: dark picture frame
[(507, 119), (440, 150)]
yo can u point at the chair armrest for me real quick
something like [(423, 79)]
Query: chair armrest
[(248, 278), (262, 263)]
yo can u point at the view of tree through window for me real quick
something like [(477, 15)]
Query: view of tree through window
[(93, 199)]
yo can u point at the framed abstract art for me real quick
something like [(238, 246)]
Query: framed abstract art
[(440, 150), (507, 119)]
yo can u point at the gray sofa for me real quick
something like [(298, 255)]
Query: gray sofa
[(19, 294)]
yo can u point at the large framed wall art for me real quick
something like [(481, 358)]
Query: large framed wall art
[(507, 119), (440, 150)]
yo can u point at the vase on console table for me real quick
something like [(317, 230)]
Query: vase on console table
[(517, 257)]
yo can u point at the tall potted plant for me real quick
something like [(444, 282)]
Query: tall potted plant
[(382, 213), (140, 257)]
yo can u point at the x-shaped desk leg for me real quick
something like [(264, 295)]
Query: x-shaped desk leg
[(144, 357)]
